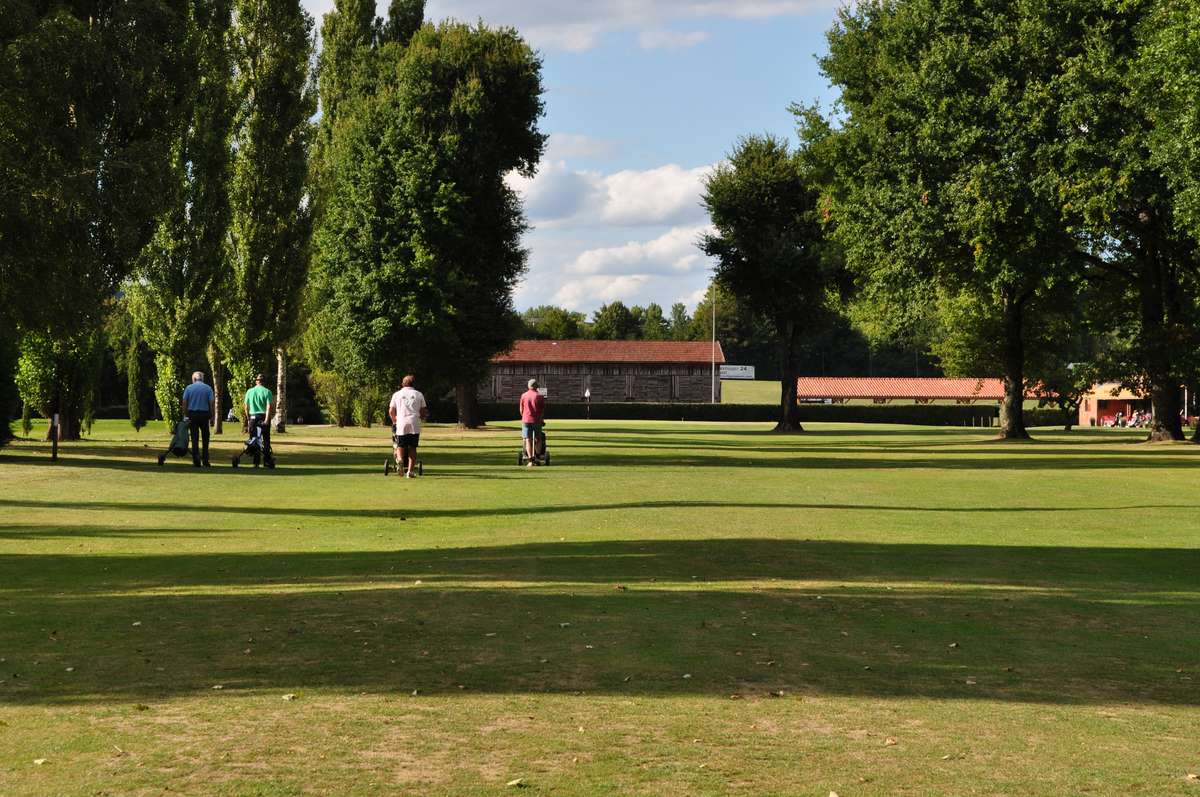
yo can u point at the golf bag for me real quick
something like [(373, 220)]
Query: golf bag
[(541, 454), (179, 442), (256, 447)]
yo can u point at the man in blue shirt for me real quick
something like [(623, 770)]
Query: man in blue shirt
[(197, 405)]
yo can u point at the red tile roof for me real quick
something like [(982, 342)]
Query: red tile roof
[(856, 387), (610, 351)]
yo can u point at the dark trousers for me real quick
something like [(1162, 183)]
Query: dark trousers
[(260, 420), (198, 425)]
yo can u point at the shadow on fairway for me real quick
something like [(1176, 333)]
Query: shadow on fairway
[(67, 530), (742, 617), (633, 452)]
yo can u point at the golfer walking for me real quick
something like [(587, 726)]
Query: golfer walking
[(533, 407), (259, 406), (197, 404), (407, 409)]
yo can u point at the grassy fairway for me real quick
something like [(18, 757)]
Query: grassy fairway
[(667, 609)]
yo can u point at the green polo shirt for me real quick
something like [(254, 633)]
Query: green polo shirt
[(257, 399)]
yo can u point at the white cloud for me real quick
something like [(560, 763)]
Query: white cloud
[(664, 269), (675, 252), (593, 291), (559, 195), (563, 146), (670, 40), (578, 26)]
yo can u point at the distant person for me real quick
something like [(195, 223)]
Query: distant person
[(533, 407), (259, 407), (407, 409), (197, 404)]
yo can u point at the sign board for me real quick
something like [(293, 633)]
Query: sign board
[(737, 371)]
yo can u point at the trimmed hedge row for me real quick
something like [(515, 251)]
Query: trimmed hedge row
[(916, 414)]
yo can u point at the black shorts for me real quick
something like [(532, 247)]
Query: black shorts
[(406, 440)]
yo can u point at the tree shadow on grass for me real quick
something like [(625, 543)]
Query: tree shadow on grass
[(544, 510), (741, 617), (657, 449)]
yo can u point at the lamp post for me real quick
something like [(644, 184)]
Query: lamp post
[(713, 292)]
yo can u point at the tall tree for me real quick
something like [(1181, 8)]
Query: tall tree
[(949, 132), (183, 271), (614, 321), (1126, 172), (680, 323), (770, 250), (404, 19), (654, 325), (88, 111), (547, 322), (419, 247), (269, 237)]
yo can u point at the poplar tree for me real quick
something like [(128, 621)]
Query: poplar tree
[(84, 167), (183, 271), (269, 235)]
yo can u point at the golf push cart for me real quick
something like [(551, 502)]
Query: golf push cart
[(256, 448), (400, 466), (541, 454), (179, 443)]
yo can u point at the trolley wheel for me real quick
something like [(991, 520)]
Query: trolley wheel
[(547, 458), (420, 468), (236, 461), (521, 458), (387, 467), (162, 458), (270, 463)]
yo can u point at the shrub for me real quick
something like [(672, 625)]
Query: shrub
[(916, 414)]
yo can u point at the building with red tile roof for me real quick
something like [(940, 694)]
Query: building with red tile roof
[(883, 389), (607, 370)]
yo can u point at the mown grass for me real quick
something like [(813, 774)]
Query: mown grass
[(667, 609)]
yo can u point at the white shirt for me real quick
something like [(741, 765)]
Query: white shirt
[(408, 403)]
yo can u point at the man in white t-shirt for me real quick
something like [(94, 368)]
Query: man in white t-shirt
[(406, 410)]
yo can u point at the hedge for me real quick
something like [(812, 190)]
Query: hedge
[(915, 414)]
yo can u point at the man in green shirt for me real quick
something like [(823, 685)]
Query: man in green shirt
[(259, 405)]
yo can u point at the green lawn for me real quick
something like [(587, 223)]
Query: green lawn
[(749, 391), (667, 609)]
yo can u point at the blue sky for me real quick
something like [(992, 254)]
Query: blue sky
[(642, 98)]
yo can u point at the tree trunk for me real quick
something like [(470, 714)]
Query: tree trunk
[(70, 427), (1155, 301), (281, 391), (1012, 406), (217, 363), (1164, 401), (789, 412), (466, 396)]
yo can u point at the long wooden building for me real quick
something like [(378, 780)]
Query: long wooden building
[(607, 370)]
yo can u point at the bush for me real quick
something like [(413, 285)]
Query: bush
[(1049, 416), (916, 414)]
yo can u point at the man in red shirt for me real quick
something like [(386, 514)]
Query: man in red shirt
[(533, 406)]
